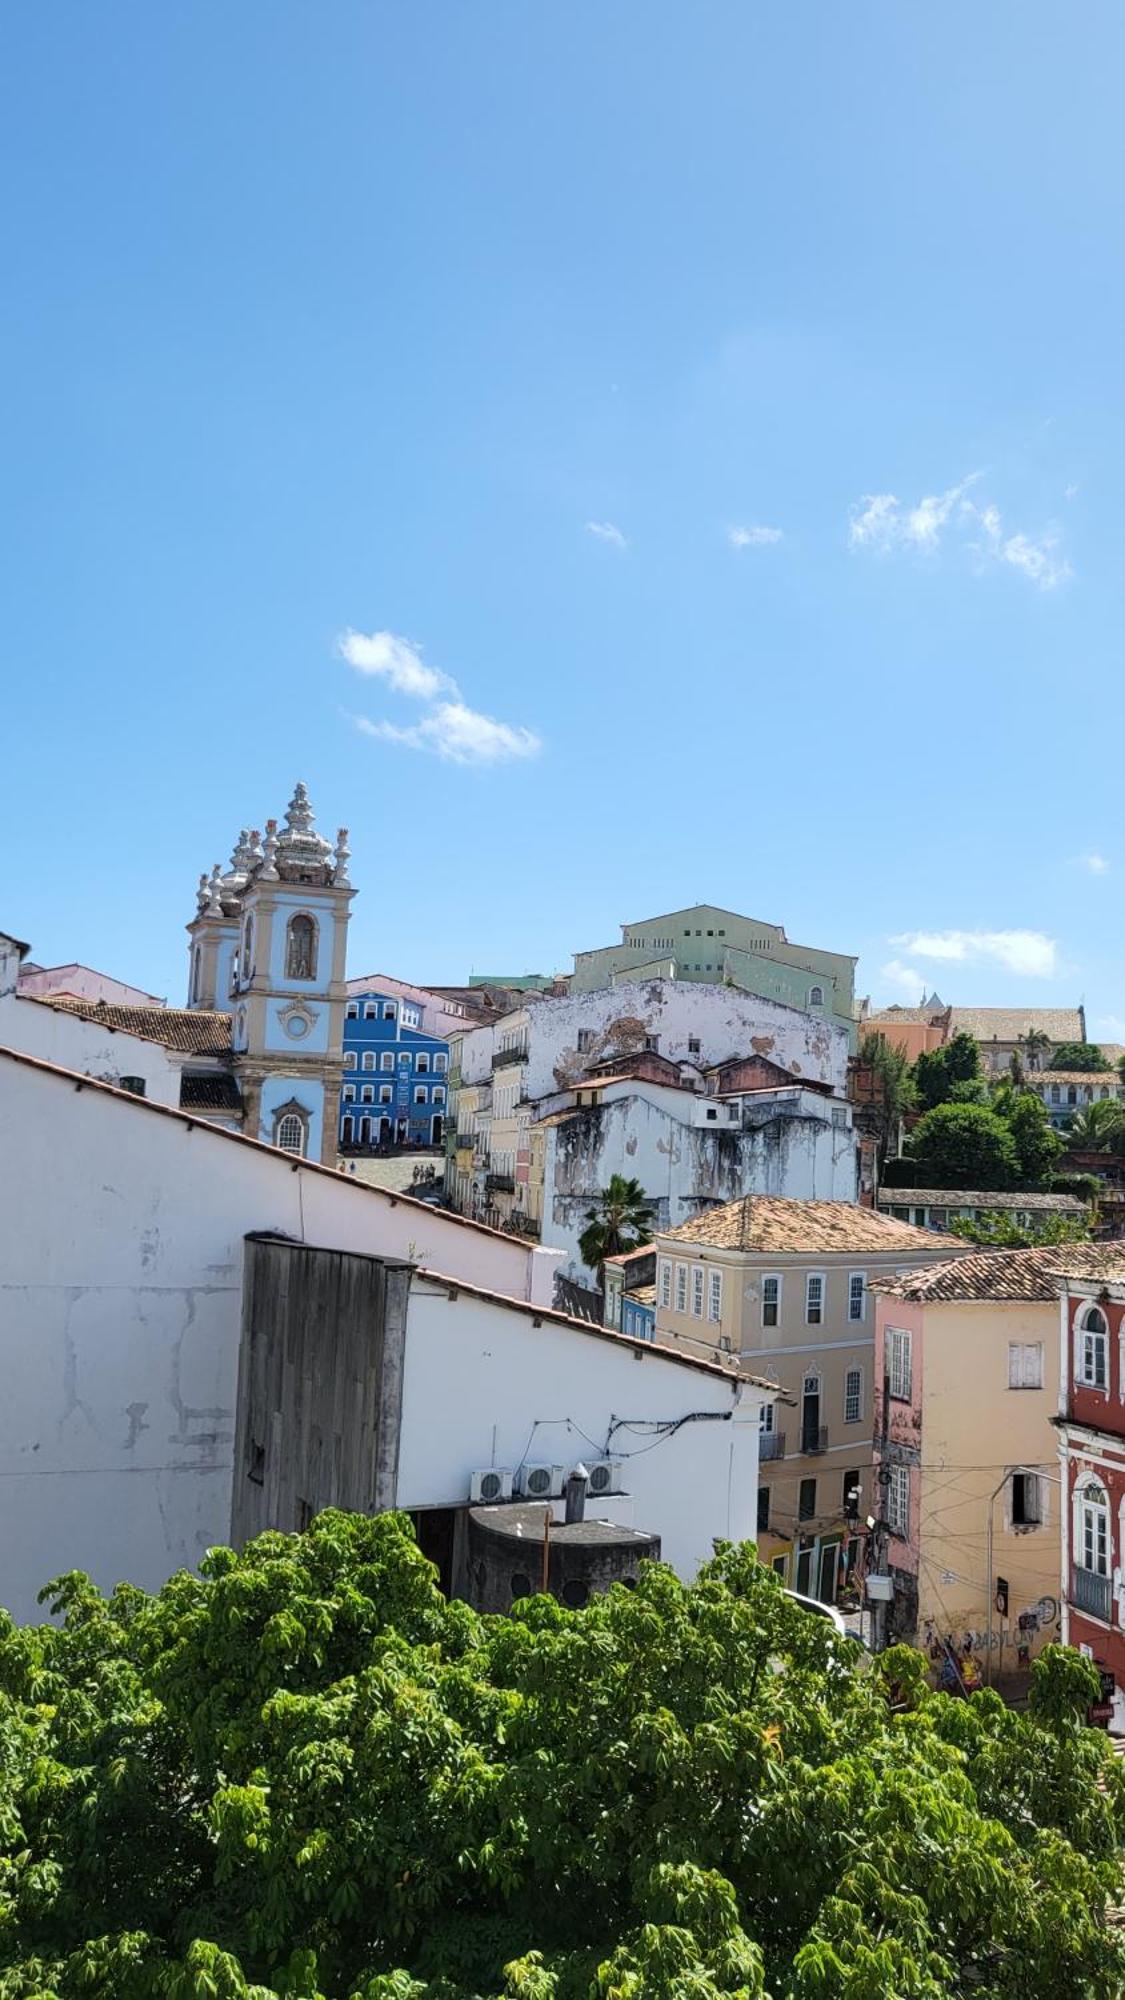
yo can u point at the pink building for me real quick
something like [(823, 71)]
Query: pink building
[(81, 982)]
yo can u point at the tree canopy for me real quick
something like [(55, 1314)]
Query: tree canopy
[(620, 1221), (964, 1146), (304, 1773), (937, 1071), (1078, 1055), (1001, 1232)]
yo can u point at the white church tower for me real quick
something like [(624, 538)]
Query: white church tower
[(269, 946)]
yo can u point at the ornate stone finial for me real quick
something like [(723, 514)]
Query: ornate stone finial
[(243, 854), (343, 855), (214, 905), (302, 854), (202, 893), (299, 813), (268, 870), (254, 847)]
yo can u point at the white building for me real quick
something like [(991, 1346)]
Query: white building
[(123, 1229), (43, 1025)]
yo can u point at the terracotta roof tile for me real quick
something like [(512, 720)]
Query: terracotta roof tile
[(989, 1274), (190, 1031), (1053, 1204), (1007, 1024), (771, 1224)]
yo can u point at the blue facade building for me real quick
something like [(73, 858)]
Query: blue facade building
[(396, 1076)]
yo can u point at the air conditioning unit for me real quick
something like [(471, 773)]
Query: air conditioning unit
[(541, 1482), (493, 1483), (605, 1477)]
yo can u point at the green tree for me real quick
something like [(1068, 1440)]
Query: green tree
[(1078, 1055), (1035, 1045), (938, 1070), (1000, 1232), (303, 1773), (964, 1146), (1097, 1128), (620, 1221), (894, 1093), (1038, 1145)]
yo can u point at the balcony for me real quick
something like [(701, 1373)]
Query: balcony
[(771, 1446), (814, 1439), (1091, 1593), (500, 1183), (504, 1057)]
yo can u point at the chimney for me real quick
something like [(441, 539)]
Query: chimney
[(576, 1494)]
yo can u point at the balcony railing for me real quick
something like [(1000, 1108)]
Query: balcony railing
[(1091, 1593), (505, 1056), (771, 1445), (814, 1439)]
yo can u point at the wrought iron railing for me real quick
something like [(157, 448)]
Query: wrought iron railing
[(771, 1446), (1090, 1592)]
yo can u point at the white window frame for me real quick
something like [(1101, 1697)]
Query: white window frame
[(437, 1094), (420, 1094), (349, 1058), (368, 1059), (371, 1010), (1025, 1364), (441, 1063), (665, 1281), (771, 1304), (1026, 1472), (386, 1093), (387, 1059), (390, 1010), (814, 1307), (1087, 1343), (1091, 1529), (766, 1419), (422, 1062), (681, 1288), (853, 1416), (857, 1294), (898, 1359), (898, 1502), (349, 1093), (715, 1296), (351, 1011), (698, 1282)]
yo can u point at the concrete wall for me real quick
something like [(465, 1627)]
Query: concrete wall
[(108, 1054), (121, 1232), (487, 1388)]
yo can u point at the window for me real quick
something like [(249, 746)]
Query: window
[(390, 1011), (1093, 1525), (694, 1045), (371, 1010), (440, 1065), (806, 1501), (367, 1094), (763, 1510), (135, 1085), (897, 1363), (585, 1041), (423, 1062), (387, 1059), (652, 1043), (1055, 1095), (898, 1501), (368, 1059), (780, 1567), (349, 1093), (300, 948), (857, 1295), (697, 1291), (438, 1093), (386, 1093), (420, 1093), (351, 1011), (853, 1395), (814, 1298), (715, 1296), (681, 1288), (290, 1134), (346, 1130), (766, 1418), (349, 1058), (410, 1017), (816, 996), (849, 1499), (1027, 1500), (1025, 1364), (665, 1282), (1093, 1349), (771, 1300), (1071, 1094)]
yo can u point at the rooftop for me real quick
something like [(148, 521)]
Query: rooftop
[(190, 1031), (905, 1197), (1021, 1275), (1036, 1077), (770, 1224), (1007, 1024)]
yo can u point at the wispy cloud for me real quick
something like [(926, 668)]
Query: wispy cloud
[(755, 537), (607, 531), (1029, 953), (903, 979), (450, 728), (1094, 864), (881, 524)]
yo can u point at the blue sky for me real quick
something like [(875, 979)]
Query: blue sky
[(706, 420)]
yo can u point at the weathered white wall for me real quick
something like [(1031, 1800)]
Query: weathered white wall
[(683, 1166), (121, 1230), (511, 1391), (59, 1037)]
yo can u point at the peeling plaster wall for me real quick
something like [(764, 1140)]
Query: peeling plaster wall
[(66, 1039), (684, 1168), (121, 1246)]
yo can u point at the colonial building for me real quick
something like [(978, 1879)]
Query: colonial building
[(1067, 1092), (936, 1208), (1092, 1434), (784, 1286), (395, 1075), (1032, 1033)]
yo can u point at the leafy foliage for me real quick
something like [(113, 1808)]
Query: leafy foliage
[(894, 1093), (620, 1221), (1000, 1232), (938, 1070), (306, 1775), (1037, 1144), (1079, 1056), (964, 1146), (1097, 1128)]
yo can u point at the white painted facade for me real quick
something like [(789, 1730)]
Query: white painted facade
[(515, 1392), (790, 1142), (38, 1029), (121, 1246)]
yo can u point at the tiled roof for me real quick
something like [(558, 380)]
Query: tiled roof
[(924, 1016), (190, 1031), (217, 1091), (768, 1223), (1054, 1204), (1097, 1262), (644, 1295), (989, 1274), (1007, 1024), (1036, 1077), (629, 1256)]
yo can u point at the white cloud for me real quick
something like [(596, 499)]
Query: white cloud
[(1028, 953), (1111, 1026), (606, 531), (394, 660), (450, 728), (880, 523), (460, 734), (904, 979), (1071, 492), (753, 537), (1095, 864)]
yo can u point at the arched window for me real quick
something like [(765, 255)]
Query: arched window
[(290, 1136), (816, 996), (1093, 1529), (300, 948), (248, 951), (1092, 1356)]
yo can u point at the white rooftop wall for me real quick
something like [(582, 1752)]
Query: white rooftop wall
[(58, 1037)]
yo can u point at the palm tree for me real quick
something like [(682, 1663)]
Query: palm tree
[(1097, 1128), (618, 1222), (1035, 1046)]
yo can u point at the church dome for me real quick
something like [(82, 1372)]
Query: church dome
[(302, 854)]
